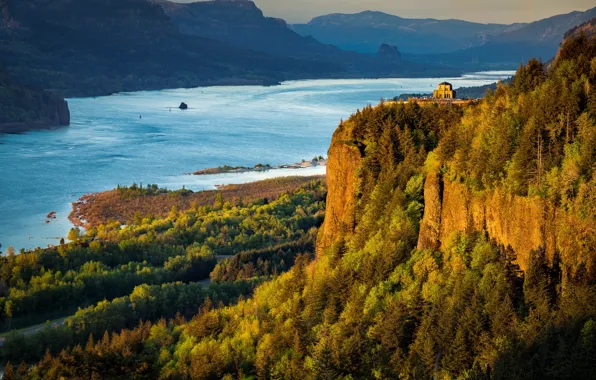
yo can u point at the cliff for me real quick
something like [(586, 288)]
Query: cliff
[(340, 214), (24, 108), (522, 223)]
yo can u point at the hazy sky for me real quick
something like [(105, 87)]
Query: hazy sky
[(501, 11)]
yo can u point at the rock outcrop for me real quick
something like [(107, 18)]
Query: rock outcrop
[(430, 229), (389, 53), (60, 117), (342, 165), (24, 108), (522, 223)]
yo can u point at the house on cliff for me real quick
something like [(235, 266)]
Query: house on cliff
[(444, 91)]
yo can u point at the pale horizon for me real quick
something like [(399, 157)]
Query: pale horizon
[(501, 12)]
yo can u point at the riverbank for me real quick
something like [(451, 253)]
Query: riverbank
[(107, 144), (24, 108), (315, 162), (126, 204)]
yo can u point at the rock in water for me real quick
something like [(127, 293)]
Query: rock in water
[(183, 106)]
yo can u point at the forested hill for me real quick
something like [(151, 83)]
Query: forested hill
[(458, 242), (96, 47), (23, 108)]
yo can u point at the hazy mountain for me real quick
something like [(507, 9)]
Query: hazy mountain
[(588, 28), (451, 42), (242, 23), (540, 39), (366, 31)]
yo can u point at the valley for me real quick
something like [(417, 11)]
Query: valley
[(152, 228)]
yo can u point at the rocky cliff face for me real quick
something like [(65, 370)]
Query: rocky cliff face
[(522, 223), (56, 114), (430, 229), (24, 108), (340, 215)]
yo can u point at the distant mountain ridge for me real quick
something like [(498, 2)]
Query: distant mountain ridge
[(540, 39), (241, 23), (588, 28), (365, 31), (446, 42)]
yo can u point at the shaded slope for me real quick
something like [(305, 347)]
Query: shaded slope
[(24, 108), (97, 47), (242, 24), (539, 39)]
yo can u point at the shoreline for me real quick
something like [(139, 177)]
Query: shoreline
[(226, 169), (260, 83), (124, 203)]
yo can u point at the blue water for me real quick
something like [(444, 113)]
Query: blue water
[(108, 144)]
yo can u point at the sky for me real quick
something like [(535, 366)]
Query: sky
[(499, 11)]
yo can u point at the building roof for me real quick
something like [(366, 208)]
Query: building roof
[(445, 83)]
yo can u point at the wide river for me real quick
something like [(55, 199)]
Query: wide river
[(108, 143)]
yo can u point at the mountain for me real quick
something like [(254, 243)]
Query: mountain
[(588, 29), (447, 42), (366, 31), (87, 47), (538, 39), (95, 47), (390, 53), (23, 108), (242, 24)]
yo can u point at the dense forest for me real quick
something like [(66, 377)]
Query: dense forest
[(129, 203), (111, 260), (371, 304)]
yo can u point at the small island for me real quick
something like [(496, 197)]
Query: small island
[(316, 161)]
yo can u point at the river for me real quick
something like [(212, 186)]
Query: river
[(137, 137)]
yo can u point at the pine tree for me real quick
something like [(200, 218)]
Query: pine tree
[(8, 372)]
